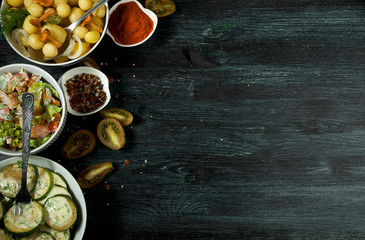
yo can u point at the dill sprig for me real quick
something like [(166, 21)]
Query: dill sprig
[(53, 19), (11, 18)]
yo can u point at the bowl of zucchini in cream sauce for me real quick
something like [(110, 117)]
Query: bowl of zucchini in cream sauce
[(57, 210)]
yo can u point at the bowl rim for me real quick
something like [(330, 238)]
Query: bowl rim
[(78, 70), (71, 181), (45, 75), (149, 13), (68, 63)]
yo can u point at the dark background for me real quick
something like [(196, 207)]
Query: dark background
[(249, 124)]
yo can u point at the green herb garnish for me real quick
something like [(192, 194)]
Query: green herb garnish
[(53, 19), (12, 18)]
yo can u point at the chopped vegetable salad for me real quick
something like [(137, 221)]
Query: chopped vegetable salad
[(46, 112)]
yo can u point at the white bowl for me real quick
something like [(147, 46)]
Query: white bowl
[(14, 68), (79, 70), (151, 14), (16, 48), (73, 187)]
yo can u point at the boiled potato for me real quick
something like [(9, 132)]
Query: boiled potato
[(85, 4), (92, 36), (50, 50), (73, 2), (80, 31), (63, 10), (15, 3), (28, 27), (75, 14), (57, 2), (98, 21), (27, 2), (35, 9), (34, 42), (100, 12), (56, 32)]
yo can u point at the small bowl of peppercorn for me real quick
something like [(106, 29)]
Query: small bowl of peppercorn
[(86, 90)]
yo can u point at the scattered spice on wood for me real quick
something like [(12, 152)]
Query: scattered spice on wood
[(107, 186), (110, 79), (201, 120), (160, 92), (126, 162), (117, 95), (86, 92)]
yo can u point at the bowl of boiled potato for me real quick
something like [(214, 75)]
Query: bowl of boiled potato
[(42, 24)]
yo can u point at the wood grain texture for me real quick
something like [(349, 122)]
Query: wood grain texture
[(249, 124)]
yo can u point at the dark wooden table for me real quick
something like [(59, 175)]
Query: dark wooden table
[(249, 124)]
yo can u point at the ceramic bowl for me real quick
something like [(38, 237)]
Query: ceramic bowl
[(79, 70), (73, 188), (14, 68), (22, 53), (149, 13)]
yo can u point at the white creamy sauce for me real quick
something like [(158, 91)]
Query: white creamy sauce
[(10, 180), (57, 180), (30, 218), (59, 211), (56, 190)]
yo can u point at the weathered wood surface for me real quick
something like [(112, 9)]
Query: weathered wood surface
[(249, 124)]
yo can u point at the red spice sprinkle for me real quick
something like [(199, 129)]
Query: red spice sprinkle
[(126, 162), (107, 187), (110, 79), (117, 95), (201, 120)]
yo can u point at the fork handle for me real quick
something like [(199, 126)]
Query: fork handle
[(27, 106)]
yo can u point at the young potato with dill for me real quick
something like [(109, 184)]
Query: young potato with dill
[(26, 20)]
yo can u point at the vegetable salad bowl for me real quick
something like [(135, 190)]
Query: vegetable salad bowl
[(49, 114), (41, 34)]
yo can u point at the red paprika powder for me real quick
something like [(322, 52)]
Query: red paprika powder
[(129, 24)]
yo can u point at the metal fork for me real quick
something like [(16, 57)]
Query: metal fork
[(23, 196)]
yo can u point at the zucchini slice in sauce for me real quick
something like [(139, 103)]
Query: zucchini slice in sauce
[(44, 183), (7, 202), (10, 179), (61, 212), (58, 235), (2, 209), (59, 180), (56, 190), (40, 236), (5, 235), (30, 221)]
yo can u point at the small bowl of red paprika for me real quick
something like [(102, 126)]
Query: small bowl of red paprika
[(130, 24)]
